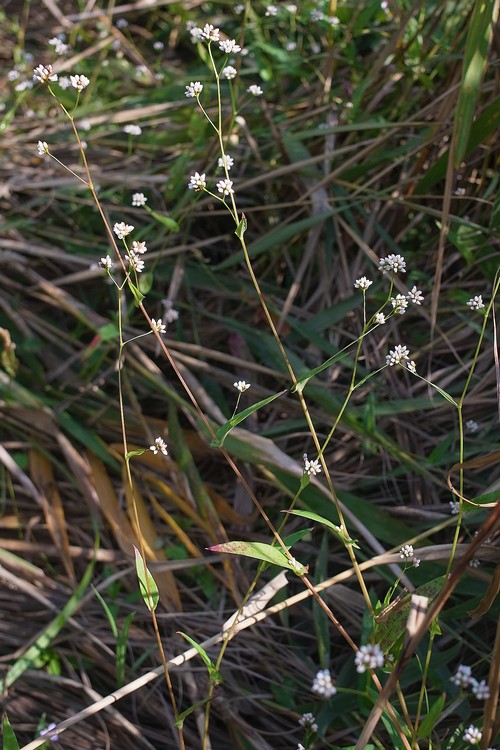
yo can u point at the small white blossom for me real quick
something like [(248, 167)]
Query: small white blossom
[(291, 8), (229, 72), (317, 15), (241, 386), (411, 366), (132, 129), (13, 75), (121, 23), (291, 46), (158, 45), (362, 283), (399, 303), (139, 199), (138, 248), (42, 148), (225, 187), (323, 685), (194, 89), (255, 90), (44, 74), (229, 46), (370, 656), (333, 20), (454, 507), (311, 467), (471, 425), (415, 296), (210, 32), (158, 326), (308, 721), (406, 551), (106, 263), (300, 746), (170, 314), (122, 230), (136, 262), (23, 85), (480, 689), (476, 303), (239, 9), (463, 676), (79, 82), (397, 356), (271, 10), (197, 182), (380, 319), (226, 161), (472, 735), (474, 563), (392, 264), (64, 82), (416, 562)]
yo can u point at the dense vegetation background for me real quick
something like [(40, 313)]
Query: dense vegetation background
[(369, 139)]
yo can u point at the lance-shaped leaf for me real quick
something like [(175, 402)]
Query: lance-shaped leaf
[(215, 676), (338, 530), (147, 585), (226, 428), (261, 551)]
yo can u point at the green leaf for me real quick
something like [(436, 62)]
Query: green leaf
[(9, 738), (109, 614), (179, 722), (429, 722), (167, 221), (338, 530), (138, 296), (215, 676), (137, 452), (240, 417), (260, 551), (146, 282), (241, 228), (147, 585), (121, 649)]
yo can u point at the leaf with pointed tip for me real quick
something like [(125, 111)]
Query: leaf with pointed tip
[(226, 428), (261, 551), (147, 585)]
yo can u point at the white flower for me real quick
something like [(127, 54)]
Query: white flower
[(411, 366), (474, 563), (380, 319), (197, 182), (271, 10), (311, 467), (158, 45), (138, 248), (170, 314), (300, 746), (333, 20), (317, 15), (138, 199), (362, 283), (210, 32), (47, 730), (323, 685), (121, 229), (480, 689), (406, 551), (291, 46), (454, 507), (472, 735), (13, 75), (158, 326), (132, 129), (121, 23), (194, 89), (415, 296), (476, 303), (229, 72), (226, 161), (23, 85), (291, 8), (42, 148), (416, 562), (64, 82), (136, 262), (397, 356), (255, 90), (392, 264), (225, 187), (106, 263), (229, 46), (463, 676), (241, 386), (308, 721), (79, 82), (238, 9), (370, 656), (399, 303), (471, 425), (44, 73)]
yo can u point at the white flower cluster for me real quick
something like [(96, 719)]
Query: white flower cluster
[(241, 386), (406, 551), (362, 283), (392, 264), (311, 467), (323, 684), (122, 230), (476, 303), (463, 679), (139, 199), (158, 326), (308, 721), (197, 182), (400, 355), (79, 82), (132, 129), (60, 47), (370, 656), (472, 735), (194, 89), (170, 314), (44, 74), (159, 446)]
